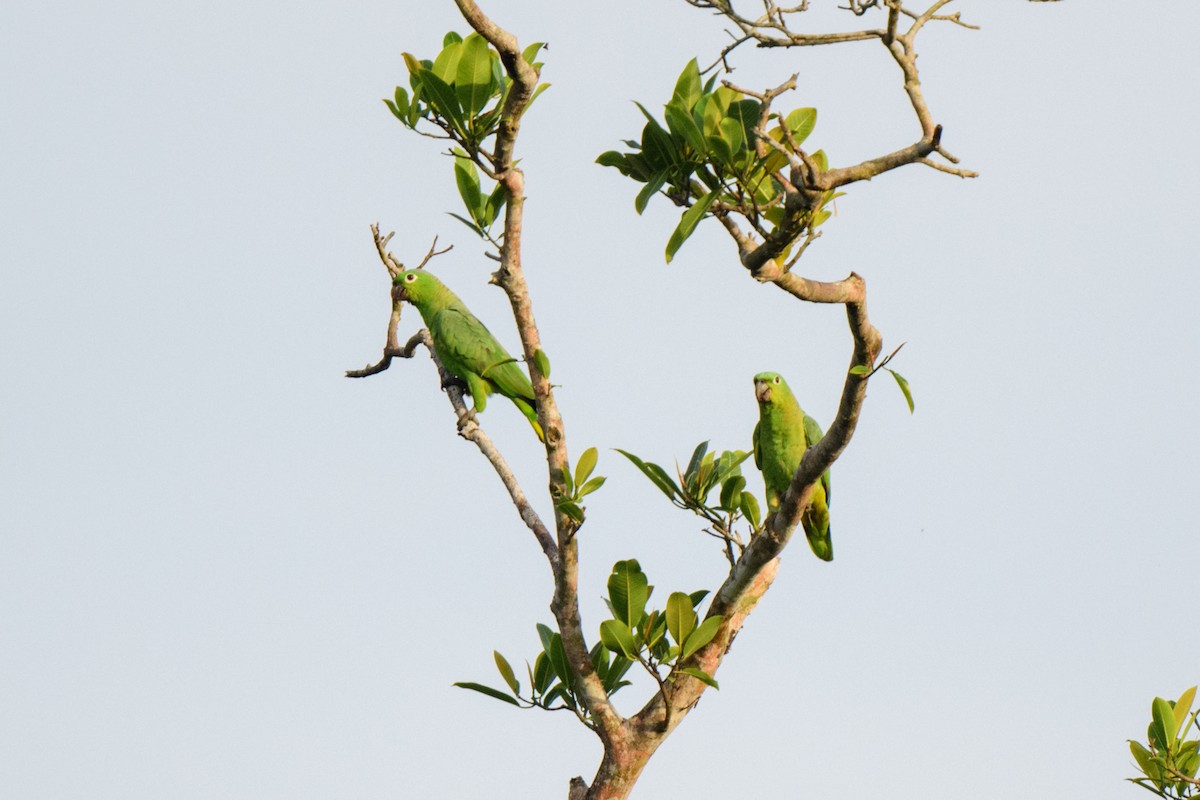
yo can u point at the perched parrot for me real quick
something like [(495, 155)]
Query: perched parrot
[(781, 436), (466, 348)]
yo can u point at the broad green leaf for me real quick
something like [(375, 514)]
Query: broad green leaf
[(611, 158), (903, 384), (530, 52), (616, 671), (571, 509), (650, 189), (467, 178), (442, 97), (489, 691), (445, 66), (652, 628), (681, 619), (450, 38), (587, 463), (731, 134), (703, 634), (543, 674), (1164, 724), (655, 473), (860, 369), (746, 114), (687, 88), (542, 362), (750, 510), (506, 672), (558, 661), (681, 124), (821, 160), (718, 149), (819, 218), (693, 467), (800, 124), (696, 672), (628, 591), (1183, 708), (592, 485), (616, 636), (415, 67), (1141, 755), (697, 597), (473, 76), (687, 224), (724, 97), (731, 492), (657, 145), (730, 464)]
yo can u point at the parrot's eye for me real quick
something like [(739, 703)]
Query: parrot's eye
[(775, 379), (410, 277)]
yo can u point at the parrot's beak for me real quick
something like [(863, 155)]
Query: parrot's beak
[(762, 391), (398, 292)]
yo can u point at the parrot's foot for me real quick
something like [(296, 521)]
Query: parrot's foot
[(453, 381), (466, 419)]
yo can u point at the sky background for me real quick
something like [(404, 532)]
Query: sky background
[(226, 571)]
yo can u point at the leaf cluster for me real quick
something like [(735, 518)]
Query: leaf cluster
[(579, 485), (651, 637), (692, 487), (1168, 761), (551, 682), (462, 92), (710, 158)]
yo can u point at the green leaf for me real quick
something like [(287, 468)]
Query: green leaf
[(687, 88), (587, 463), (489, 691), (750, 510), (616, 636), (693, 467), (746, 114), (731, 134), (649, 190), (611, 158), (543, 674), (903, 384), (652, 627), (558, 660), (800, 124), (495, 203), (542, 362), (592, 485), (729, 464), (697, 597), (703, 634), (681, 619), (571, 509), (451, 38), (821, 160), (506, 672), (696, 672), (470, 224), (445, 66), (682, 125), (1164, 725), (530, 52), (687, 224), (657, 475), (442, 97), (415, 67), (628, 591), (467, 178), (1183, 707), (473, 76), (657, 145), (731, 492), (860, 369)]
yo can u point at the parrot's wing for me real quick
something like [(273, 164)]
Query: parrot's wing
[(812, 435), (757, 448), (474, 345)]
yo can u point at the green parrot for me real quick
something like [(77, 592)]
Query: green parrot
[(465, 347), (781, 436)]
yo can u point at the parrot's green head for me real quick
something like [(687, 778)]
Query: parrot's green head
[(417, 286), (769, 386)]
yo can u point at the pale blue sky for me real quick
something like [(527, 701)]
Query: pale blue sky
[(228, 572)]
